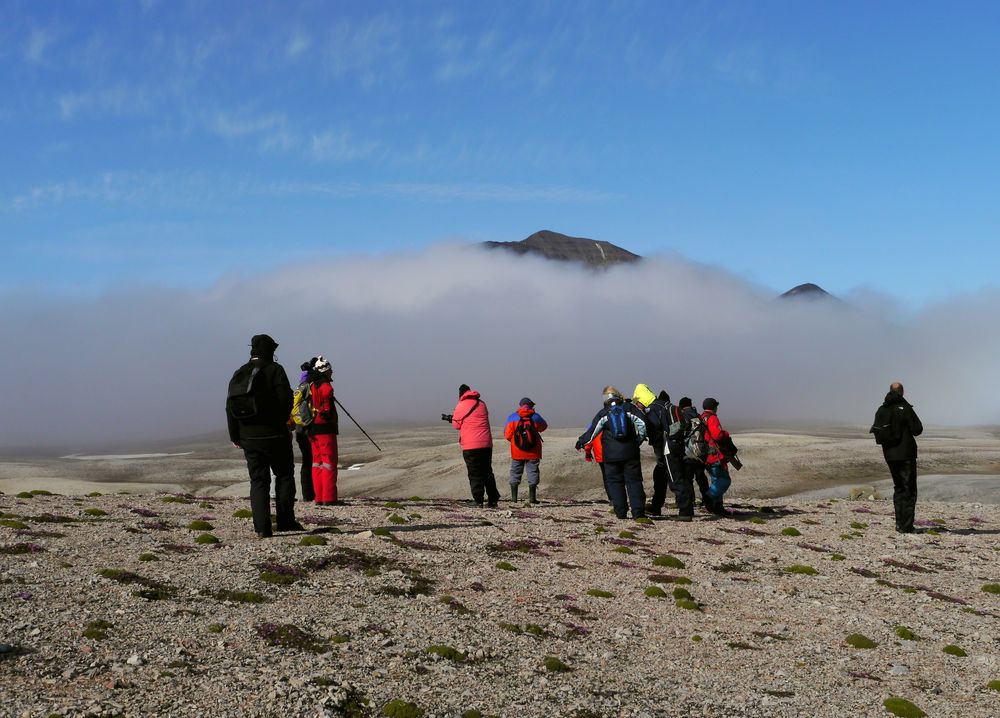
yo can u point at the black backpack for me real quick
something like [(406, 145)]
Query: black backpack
[(526, 436), (240, 403), (888, 425)]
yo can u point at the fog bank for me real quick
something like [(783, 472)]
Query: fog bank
[(403, 331)]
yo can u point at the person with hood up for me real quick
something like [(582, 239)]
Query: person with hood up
[(717, 461), (523, 431), (656, 411), (323, 433), (896, 424), (472, 420), (622, 428), (257, 407)]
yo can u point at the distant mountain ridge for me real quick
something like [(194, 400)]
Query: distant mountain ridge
[(597, 253), (553, 245)]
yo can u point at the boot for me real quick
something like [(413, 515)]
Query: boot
[(513, 493), (533, 495)]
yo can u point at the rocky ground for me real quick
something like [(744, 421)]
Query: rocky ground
[(123, 605)]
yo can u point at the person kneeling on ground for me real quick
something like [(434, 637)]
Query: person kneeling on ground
[(523, 431), (622, 429), (472, 419)]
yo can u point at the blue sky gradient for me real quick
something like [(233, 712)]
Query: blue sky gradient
[(852, 144)]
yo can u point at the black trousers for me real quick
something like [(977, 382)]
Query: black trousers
[(306, 471), (625, 486), (265, 456), (479, 464), (904, 494), (661, 482), (690, 472)]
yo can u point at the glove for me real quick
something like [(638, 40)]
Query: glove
[(579, 445)]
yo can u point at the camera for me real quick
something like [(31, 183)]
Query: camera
[(447, 417), (735, 463)]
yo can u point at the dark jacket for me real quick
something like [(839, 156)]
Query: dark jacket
[(272, 396), (905, 423), (616, 450), (658, 423)]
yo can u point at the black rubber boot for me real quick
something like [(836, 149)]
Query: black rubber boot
[(513, 493), (533, 495)]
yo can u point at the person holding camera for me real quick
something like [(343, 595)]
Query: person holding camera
[(472, 420), (721, 452)]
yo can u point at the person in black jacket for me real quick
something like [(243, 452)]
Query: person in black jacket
[(622, 428), (257, 409), (655, 409), (895, 426)]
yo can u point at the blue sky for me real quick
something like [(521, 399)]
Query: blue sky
[(853, 144)]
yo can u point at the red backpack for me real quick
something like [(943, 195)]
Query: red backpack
[(526, 436)]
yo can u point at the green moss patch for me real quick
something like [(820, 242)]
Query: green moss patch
[(687, 604), (994, 686), (623, 549), (654, 592), (838, 557), (991, 588), (447, 652), (455, 605), (952, 650), (902, 708), (312, 541), (681, 592), (554, 665), (14, 524), (200, 526), (393, 505), (239, 596), (382, 531), (628, 535), (398, 708), (599, 593), (288, 635), (668, 561), (397, 519), (206, 539), (790, 531), (801, 569), (25, 495), (216, 628), (505, 566), (243, 514), (906, 634), (669, 578), (757, 520), (97, 630), (644, 520), (148, 557), (857, 640)]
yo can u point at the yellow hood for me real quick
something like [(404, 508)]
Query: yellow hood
[(643, 395)]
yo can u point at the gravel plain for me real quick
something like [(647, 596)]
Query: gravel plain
[(111, 605)]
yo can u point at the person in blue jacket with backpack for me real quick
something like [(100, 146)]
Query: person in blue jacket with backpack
[(523, 431), (622, 428)]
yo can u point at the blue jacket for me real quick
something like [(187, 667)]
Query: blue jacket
[(614, 449)]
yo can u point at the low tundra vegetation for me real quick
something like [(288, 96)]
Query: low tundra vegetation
[(857, 640), (902, 708), (668, 561)]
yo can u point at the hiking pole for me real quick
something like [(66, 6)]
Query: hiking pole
[(356, 423)]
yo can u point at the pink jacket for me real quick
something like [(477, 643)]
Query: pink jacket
[(472, 419)]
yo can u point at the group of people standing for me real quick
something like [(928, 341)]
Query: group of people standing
[(690, 448), (261, 409), (686, 444)]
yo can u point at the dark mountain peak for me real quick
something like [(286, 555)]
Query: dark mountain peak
[(553, 245), (807, 291)]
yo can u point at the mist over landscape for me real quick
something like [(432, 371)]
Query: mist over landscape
[(404, 330)]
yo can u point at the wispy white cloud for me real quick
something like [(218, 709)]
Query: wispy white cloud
[(118, 100), (200, 189), (372, 50), (340, 146), (38, 42), (298, 43)]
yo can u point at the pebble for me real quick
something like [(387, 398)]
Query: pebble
[(899, 669)]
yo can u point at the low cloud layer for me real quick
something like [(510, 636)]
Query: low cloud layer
[(403, 331)]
